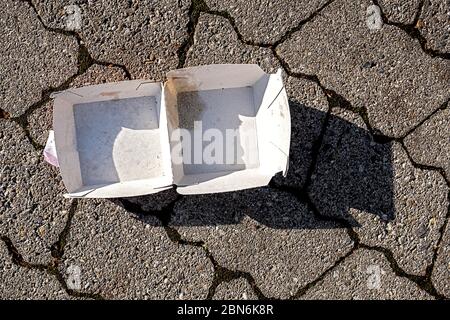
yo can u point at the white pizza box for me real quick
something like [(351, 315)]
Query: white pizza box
[(124, 139)]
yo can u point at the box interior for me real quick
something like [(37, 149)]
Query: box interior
[(118, 140), (238, 121), (223, 97), (114, 140)]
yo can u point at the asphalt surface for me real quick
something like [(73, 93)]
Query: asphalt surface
[(362, 214)]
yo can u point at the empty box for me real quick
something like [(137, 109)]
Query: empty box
[(212, 128)]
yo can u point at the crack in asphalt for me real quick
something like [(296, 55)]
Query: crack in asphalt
[(303, 290), (421, 166), (199, 6), (84, 61), (196, 7), (287, 35), (57, 251), (302, 194), (4, 114), (413, 31), (222, 274), (423, 282), (430, 268)]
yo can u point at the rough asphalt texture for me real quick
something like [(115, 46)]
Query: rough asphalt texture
[(362, 214)]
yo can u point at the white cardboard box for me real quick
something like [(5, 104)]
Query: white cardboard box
[(121, 139)]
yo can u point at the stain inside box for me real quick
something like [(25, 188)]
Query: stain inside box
[(190, 108), (175, 89)]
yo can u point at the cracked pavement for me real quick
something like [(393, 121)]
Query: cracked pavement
[(362, 214)]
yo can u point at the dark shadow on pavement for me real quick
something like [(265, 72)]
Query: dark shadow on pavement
[(351, 171)]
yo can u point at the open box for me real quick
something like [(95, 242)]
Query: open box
[(124, 139)]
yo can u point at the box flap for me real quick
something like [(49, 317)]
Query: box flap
[(119, 190), (274, 127), (212, 183)]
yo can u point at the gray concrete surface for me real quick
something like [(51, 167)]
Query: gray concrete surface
[(143, 35), (266, 21), (441, 272), (395, 205), (435, 17), (362, 214), (265, 232), (216, 42), (30, 55), (365, 275), (237, 289), (19, 283), (400, 11), (123, 257), (34, 211), (430, 143), (380, 70)]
